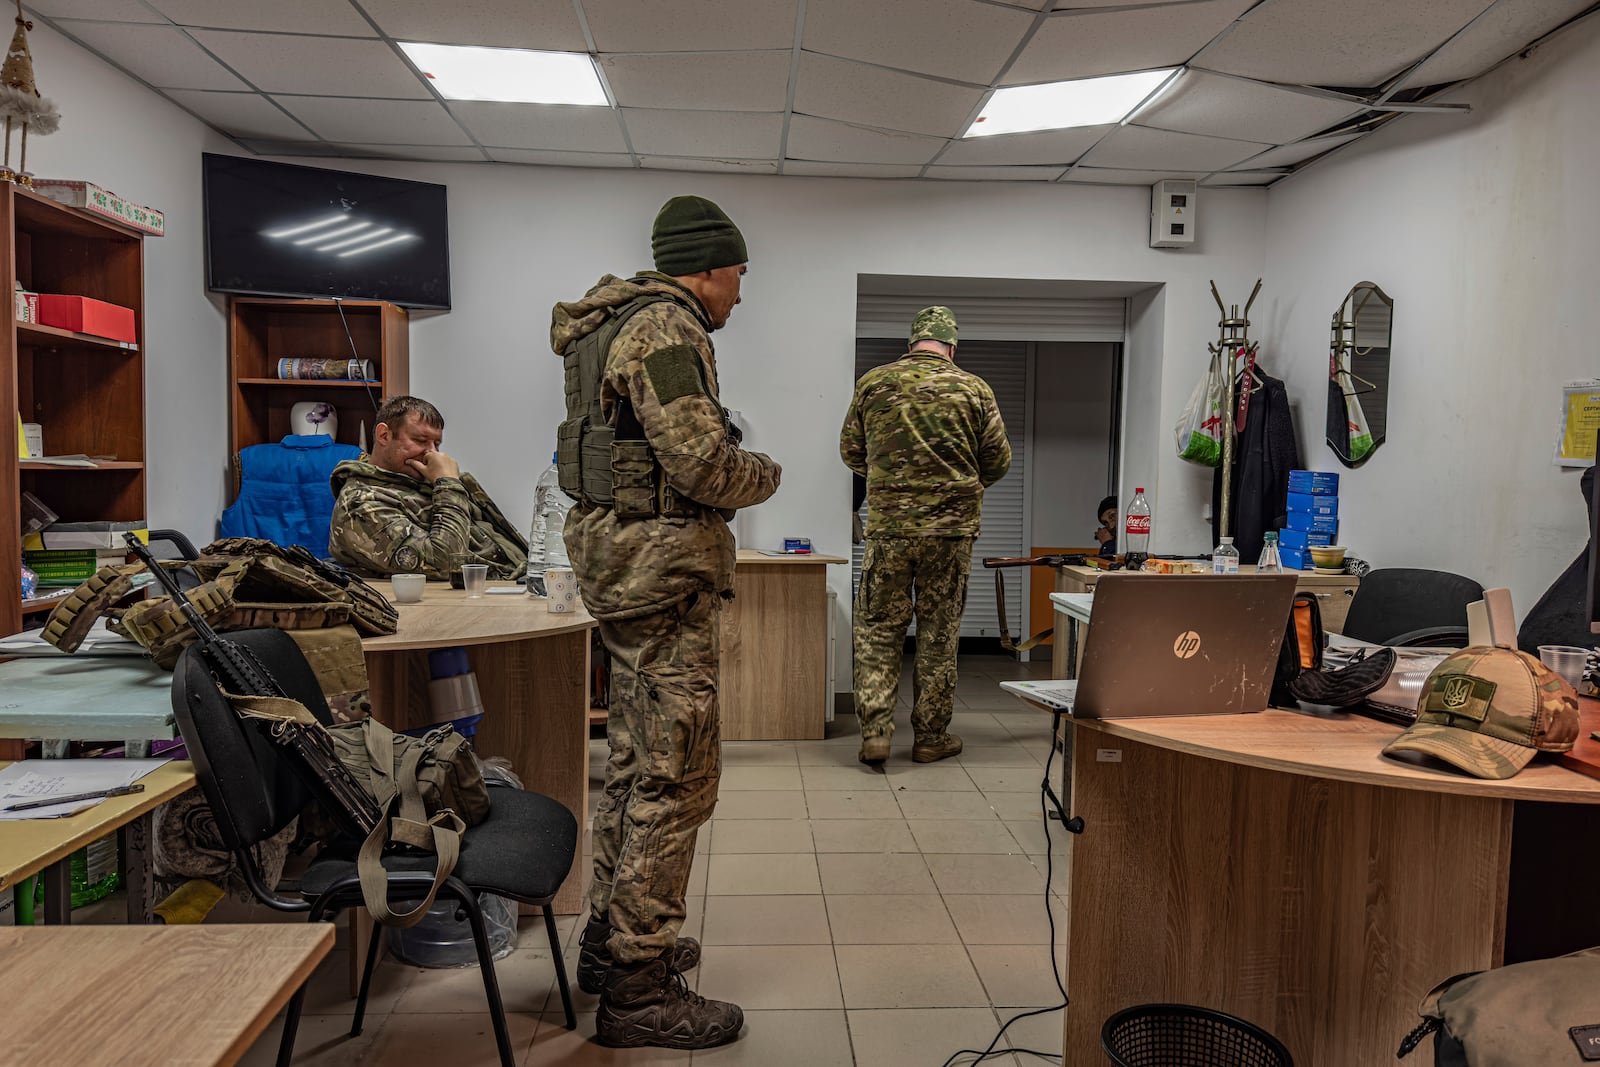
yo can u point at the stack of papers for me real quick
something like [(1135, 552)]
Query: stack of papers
[(37, 779), (100, 641)]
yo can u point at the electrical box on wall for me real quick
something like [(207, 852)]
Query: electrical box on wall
[(1172, 214)]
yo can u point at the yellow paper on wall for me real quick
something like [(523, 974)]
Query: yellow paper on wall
[(1580, 422)]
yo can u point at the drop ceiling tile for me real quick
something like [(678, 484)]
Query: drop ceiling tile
[(548, 25), (414, 152), (160, 55), (291, 148), (1068, 5), (1351, 43), (240, 114), (733, 134), (542, 126), (1219, 106), (1291, 154), (1503, 31), (107, 10), (332, 66), (1245, 177), (705, 81), (1141, 148), (815, 168), (1111, 42), (956, 39), (1108, 176), (710, 166), (654, 26), (850, 92), (1060, 147), (996, 174), (286, 16), (560, 159), (391, 122), (824, 139)]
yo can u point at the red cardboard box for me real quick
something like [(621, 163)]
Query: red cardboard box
[(82, 315)]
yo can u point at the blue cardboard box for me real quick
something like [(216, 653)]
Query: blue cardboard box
[(1295, 559), (1304, 522), (1303, 539), (1325, 506), (1314, 483)]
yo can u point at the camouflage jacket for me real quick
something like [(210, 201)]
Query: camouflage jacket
[(929, 439), (662, 363), (387, 523)]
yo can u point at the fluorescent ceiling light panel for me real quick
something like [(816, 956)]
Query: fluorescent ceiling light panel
[(508, 75), (1059, 105)]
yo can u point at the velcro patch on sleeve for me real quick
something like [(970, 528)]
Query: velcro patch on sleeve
[(674, 373)]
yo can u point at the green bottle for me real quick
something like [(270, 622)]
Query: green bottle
[(94, 873)]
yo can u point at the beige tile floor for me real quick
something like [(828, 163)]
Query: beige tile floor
[(859, 917)]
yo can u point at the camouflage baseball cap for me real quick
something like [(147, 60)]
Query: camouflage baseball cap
[(1489, 711), (936, 323)]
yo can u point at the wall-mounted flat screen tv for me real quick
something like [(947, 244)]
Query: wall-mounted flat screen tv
[(273, 229)]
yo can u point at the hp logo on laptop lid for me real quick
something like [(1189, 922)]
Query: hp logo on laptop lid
[(1187, 644)]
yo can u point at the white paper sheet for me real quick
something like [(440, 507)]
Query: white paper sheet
[(36, 779), (100, 641)]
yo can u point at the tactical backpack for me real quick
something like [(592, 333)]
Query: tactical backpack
[(245, 583)]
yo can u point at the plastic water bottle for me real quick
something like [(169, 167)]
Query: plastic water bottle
[(1225, 558), (545, 545), (1269, 563), (1136, 535)]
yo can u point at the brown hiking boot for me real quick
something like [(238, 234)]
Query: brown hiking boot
[(594, 958), (933, 749), (874, 749), (649, 1003)]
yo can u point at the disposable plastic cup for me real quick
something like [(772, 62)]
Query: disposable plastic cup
[(1566, 660), (407, 587), (474, 576)]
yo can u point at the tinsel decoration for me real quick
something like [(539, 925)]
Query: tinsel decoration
[(21, 104)]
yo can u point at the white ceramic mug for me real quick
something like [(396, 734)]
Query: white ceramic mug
[(407, 588), (561, 589)]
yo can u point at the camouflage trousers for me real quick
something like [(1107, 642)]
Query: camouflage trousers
[(902, 577), (661, 780)]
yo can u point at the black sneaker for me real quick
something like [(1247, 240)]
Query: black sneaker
[(649, 1004), (594, 958)]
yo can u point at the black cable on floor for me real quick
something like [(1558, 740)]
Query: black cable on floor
[(1055, 968)]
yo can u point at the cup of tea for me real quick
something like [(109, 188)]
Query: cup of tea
[(561, 589), (407, 588)]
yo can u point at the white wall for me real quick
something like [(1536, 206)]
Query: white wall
[(121, 136), (1483, 230), (1072, 420)]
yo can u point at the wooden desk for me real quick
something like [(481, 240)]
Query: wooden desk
[(117, 994), (775, 648), (1277, 867), (28, 846), (1333, 592), (532, 668)]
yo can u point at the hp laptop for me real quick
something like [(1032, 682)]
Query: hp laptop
[(1176, 645)]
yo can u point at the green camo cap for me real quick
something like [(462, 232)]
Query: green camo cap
[(1489, 711), (937, 323)]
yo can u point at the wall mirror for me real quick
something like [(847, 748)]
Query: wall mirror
[(1358, 374)]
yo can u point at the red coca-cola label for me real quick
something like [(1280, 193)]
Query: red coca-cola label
[(1138, 524)]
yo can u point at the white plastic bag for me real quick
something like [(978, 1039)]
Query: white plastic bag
[(1199, 429)]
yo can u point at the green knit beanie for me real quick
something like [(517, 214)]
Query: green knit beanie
[(691, 234)]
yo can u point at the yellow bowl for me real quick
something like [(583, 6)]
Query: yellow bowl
[(1327, 555)]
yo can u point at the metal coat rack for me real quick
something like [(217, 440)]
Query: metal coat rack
[(1233, 340)]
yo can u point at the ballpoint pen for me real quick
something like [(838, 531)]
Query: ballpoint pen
[(47, 802)]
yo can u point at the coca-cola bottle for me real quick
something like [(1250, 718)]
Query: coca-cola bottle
[(1136, 536)]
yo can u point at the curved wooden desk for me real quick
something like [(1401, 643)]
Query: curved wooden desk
[(533, 675), (1277, 867)]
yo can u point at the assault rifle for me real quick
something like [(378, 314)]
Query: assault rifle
[(237, 670), (999, 563)]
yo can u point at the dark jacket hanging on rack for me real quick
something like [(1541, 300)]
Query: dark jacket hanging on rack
[(1263, 456)]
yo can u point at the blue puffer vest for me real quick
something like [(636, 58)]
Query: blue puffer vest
[(283, 492)]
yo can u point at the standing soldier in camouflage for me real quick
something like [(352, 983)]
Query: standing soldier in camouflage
[(929, 438), (650, 455), (407, 508)]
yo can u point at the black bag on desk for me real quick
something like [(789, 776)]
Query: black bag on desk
[(1543, 1013), (1301, 651)]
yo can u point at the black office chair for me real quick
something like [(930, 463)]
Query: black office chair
[(174, 544), (524, 850), (1406, 607)]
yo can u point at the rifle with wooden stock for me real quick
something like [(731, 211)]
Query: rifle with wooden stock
[(999, 563)]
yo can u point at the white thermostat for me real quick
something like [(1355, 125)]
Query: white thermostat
[(1172, 214)]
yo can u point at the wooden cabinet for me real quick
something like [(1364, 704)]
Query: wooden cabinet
[(87, 393), (263, 330)]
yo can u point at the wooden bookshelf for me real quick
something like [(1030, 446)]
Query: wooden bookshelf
[(263, 330), (86, 392)]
